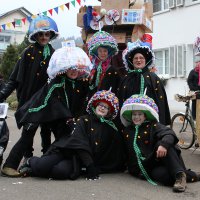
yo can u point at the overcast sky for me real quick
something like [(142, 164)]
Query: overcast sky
[(66, 20)]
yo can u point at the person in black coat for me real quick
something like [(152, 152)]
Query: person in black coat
[(138, 57), (194, 84), (94, 144), (102, 47), (60, 101), (4, 131), (27, 77), (151, 146)]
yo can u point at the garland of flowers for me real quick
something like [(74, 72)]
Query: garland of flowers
[(99, 71), (141, 79), (140, 157), (102, 119), (62, 84)]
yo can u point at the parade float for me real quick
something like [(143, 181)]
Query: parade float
[(126, 21)]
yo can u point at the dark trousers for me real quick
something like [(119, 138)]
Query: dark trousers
[(51, 166), (194, 109), (162, 170), (57, 127), (23, 144), (45, 134)]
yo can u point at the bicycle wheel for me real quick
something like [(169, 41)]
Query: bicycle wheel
[(182, 127)]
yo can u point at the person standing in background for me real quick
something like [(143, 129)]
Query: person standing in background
[(194, 83), (27, 77)]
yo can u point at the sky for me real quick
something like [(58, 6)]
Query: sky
[(66, 20)]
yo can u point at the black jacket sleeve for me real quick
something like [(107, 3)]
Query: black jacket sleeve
[(7, 89), (12, 84), (165, 136)]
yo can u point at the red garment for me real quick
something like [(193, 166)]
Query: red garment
[(197, 69), (104, 65)]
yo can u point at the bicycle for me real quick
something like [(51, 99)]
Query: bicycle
[(183, 124)]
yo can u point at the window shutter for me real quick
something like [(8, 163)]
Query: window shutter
[(180, 60), (171, 3), (172, 61), (179, 2)]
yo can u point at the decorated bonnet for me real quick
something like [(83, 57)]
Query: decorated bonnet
[(104, 96), (138, 102), (133, 48), (42, 23), (102, 39), (69, 58)]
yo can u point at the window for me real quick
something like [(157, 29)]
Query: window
[(162, 62), (160, 5), (191, 2), (5, 39)]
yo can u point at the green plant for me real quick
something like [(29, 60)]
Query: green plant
[(12, 101)]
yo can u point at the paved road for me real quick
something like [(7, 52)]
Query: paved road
[(111, 186)]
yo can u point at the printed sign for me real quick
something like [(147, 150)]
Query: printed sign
[(132, 16)]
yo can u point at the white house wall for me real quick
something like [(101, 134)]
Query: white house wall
[(17, 34), (10, 18), (175, 27)]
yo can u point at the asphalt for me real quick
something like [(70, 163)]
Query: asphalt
[(110, 187)]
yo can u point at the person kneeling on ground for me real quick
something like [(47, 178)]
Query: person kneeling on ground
[(151, 146), (95, 144)]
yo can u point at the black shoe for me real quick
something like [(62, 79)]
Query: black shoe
[(25, 168), (192, 176), (26, 171)]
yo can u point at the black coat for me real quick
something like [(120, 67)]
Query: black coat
[(150, 136), (100, 140), (58, 105), (29, 74), (111, 79), (193, 79), (130, 85)]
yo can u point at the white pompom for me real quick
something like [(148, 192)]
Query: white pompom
[(103, 11)]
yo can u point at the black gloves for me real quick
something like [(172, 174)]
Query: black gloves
[(92, 173)]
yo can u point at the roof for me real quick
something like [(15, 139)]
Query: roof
[(23, 10)]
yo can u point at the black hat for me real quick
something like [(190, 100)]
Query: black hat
[(134, 48)]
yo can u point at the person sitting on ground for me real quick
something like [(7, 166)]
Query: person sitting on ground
[(151, 146), (95, 143)]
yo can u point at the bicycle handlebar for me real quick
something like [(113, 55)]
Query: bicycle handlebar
[(181, 98)]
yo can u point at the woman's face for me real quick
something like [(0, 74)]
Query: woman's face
[(43, 38), (138, 117), (138, 61), (72, 73), (102, 53), (102, 109)]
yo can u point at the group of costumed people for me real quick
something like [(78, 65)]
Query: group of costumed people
[(102, 122)]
